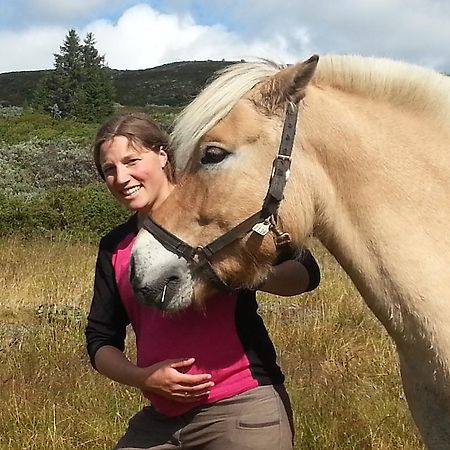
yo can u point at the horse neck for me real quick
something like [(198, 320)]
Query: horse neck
[(358, 183)]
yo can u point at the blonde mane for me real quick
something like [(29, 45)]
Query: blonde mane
[(405, 85)]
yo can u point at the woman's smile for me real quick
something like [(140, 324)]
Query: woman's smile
[(131, 191)]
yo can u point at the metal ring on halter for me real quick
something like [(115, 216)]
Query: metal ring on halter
[(186, 394)]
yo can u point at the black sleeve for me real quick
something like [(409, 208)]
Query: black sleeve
[(303, 256), (107, 319)]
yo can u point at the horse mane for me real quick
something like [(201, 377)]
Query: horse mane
[(405, 85)]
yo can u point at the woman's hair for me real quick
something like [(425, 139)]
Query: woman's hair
[(139, 130)]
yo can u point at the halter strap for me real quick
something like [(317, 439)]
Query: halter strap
[(201, 255)]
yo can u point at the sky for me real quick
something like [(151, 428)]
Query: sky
[(139, 34)]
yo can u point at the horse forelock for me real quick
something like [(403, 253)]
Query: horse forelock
[(214, 103)]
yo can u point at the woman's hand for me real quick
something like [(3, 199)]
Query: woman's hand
[(167, 379)]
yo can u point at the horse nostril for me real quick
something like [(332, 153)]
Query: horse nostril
[(168, 288)]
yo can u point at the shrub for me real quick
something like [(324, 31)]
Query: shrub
[(32, 167), (86, 210), (10, 111), (30, 125)]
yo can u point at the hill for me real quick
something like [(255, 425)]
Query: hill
[(173, 84)]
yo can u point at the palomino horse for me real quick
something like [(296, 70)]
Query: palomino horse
[(369, 178)]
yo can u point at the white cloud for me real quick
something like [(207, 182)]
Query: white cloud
[(413, 30), (143, 38), (32, 49)]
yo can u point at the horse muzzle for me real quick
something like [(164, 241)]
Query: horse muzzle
[(159, 278)]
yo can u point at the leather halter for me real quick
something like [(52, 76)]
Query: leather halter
[(262, 222)]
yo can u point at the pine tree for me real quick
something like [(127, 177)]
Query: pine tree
[(57, 90), (79, 86), (68, 74), (94, 100)]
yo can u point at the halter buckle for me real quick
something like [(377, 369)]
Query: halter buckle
[(282, 240)]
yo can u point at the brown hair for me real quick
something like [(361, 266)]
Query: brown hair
[(139, 130)]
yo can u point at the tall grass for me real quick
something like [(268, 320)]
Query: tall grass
[(340, 366)]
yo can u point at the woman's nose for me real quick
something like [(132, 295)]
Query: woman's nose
[(122, 174)]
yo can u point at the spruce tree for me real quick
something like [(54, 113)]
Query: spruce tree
[(94, 100), (79, 86)]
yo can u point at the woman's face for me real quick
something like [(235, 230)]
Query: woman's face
[(134, 174)]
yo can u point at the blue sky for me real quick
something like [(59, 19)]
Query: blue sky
[(135, 34)]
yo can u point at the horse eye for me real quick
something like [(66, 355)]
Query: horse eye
[(214, 155)]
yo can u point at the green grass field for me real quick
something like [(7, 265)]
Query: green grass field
[(340, 366)]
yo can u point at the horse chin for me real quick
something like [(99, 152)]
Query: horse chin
[(242, 271), (203, 290), (180, 300)]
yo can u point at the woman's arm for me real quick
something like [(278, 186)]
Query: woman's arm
[(294, 276), (163, 378)]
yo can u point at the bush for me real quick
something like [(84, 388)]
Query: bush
[(32, 167), (10, 111), (29, 125), (86, 210)]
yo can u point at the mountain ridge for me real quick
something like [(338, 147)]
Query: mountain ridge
[(171, 84)]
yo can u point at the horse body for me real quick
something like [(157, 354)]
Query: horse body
[(370, 174), (391, 238)]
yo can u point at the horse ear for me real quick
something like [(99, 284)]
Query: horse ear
[(303, 72), (288, 84)]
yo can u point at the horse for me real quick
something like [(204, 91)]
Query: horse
[(369, 178)]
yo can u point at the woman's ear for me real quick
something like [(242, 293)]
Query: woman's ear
[(163, 158)]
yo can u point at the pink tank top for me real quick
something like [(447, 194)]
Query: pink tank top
[(210, 336)]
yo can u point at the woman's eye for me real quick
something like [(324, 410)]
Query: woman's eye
[(214, 155), (133, 161), (107, 170)]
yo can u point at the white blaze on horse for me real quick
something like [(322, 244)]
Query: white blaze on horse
[(370, 178)]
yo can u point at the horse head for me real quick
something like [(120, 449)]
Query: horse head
[(225, 158)]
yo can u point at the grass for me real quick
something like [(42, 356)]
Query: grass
[(340, 366)]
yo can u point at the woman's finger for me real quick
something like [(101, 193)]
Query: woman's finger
[(192, 380), (182, 362)]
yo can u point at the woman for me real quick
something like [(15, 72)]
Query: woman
[(211, 375)]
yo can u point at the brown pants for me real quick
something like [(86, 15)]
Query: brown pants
[(257, 419)]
